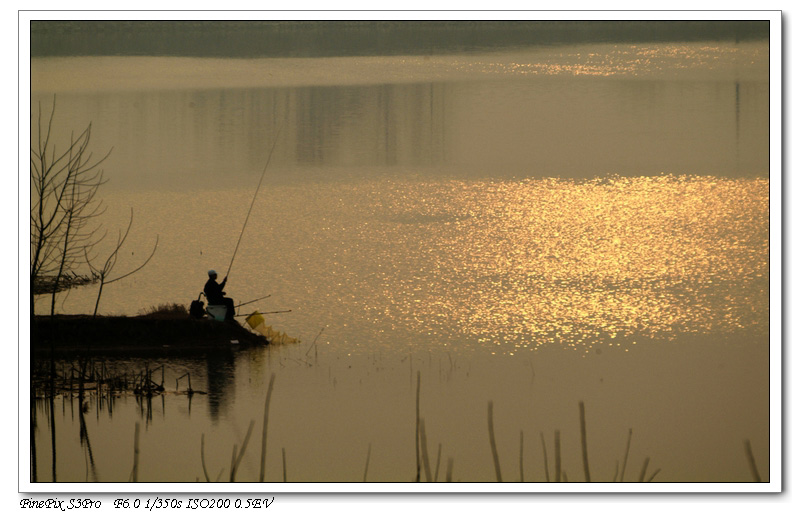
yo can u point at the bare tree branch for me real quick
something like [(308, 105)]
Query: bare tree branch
[(108, 266), (64, 187)]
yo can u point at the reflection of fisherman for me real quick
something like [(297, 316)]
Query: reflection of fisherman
[(216, 296)]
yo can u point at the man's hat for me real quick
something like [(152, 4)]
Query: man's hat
[(212, 272)]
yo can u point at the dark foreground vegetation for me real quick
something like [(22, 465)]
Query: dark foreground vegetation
[(159, 329)]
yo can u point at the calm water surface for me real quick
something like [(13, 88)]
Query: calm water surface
[(533, 228)]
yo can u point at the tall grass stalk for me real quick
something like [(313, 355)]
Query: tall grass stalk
[(644, 469), (449, 477), (521, 473), (240, 455), (203, 456), (558, 455), (654, 474), (495, 456), (438, 459), (264, 429), (584, 449), (752, 461), (625, 460), (283, 454), (544, 451), (424, 448), (135, 476), (417, 428), (366, 466), (233, 463)]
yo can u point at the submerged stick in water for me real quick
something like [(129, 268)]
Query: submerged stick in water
[(314, 343)]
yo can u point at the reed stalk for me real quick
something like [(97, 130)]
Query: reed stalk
[(584, 449), (558, 455), (625, 460), (438, 459), (752, 461), (521, 472), (495, 456), (544, 451), (264, 430), (644, 469), (366, 466), (283, 454), (240, 455), (449, 477), (135, 477), (654, 474), (417, 428), (203, 456), (233, 463), (424, 448)]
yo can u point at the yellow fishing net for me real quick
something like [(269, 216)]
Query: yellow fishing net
[(256, 321)]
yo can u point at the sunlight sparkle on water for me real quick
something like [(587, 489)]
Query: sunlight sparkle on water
[(582, 263)]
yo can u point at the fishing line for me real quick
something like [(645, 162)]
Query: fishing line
[(263, 173)]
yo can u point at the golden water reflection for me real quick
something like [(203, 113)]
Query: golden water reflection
[(642, 60), (542, 261)]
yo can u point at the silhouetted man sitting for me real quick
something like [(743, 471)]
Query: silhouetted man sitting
[(216, 296)]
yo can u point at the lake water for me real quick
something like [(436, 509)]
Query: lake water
[(531, 227)]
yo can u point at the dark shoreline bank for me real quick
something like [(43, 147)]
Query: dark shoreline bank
[(84, 333), (338, 38)]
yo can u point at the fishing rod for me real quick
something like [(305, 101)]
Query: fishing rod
[(263, 173), (264, 313), (253, 301)]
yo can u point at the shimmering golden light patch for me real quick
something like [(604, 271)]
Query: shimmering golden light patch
[(542, 261), (623, 60)]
